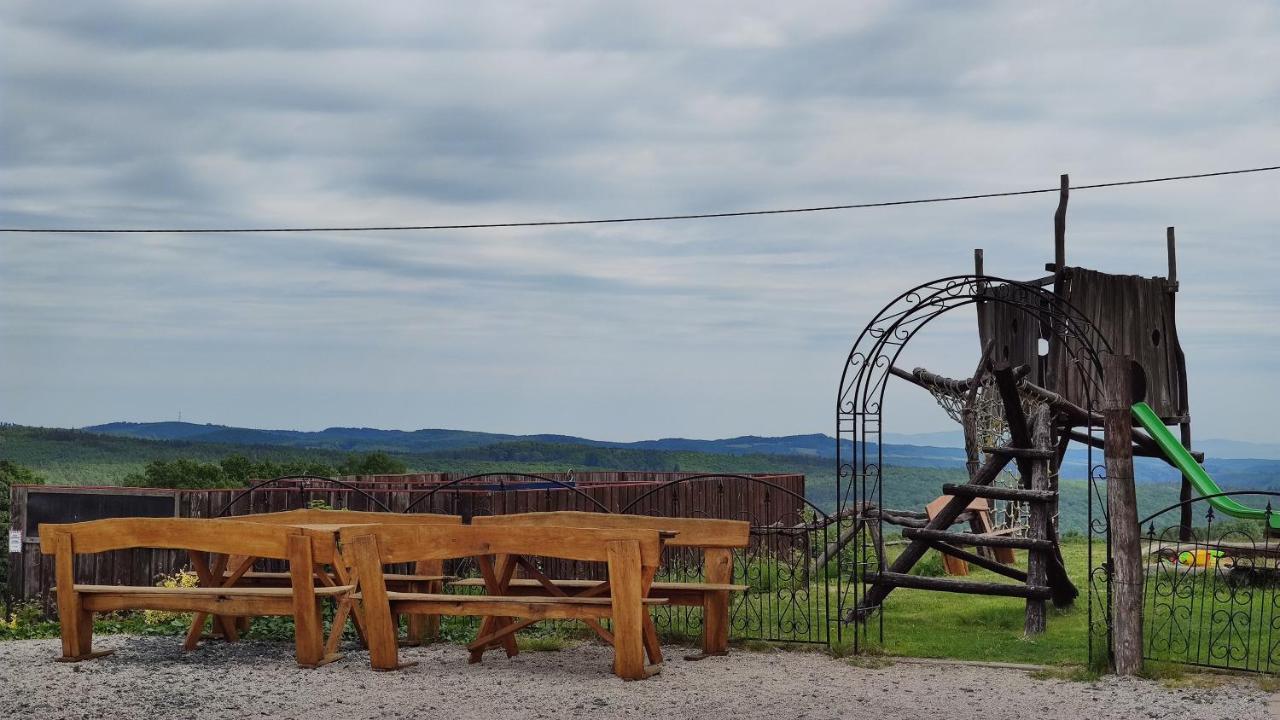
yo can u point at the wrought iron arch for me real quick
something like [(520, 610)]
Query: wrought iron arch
[(863, 381), (333, 481)]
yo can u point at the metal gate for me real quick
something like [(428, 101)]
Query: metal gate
[(1212, 591)]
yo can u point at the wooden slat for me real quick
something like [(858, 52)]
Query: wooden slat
[(692, 532)]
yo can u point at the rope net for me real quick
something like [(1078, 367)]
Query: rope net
[(991, 429)]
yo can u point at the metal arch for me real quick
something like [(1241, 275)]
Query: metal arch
[(333, 481), (732, 476), (1202, 498), (927, 295), (503, 486), (863, 379)]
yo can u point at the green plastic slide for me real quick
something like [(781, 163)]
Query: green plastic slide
[(1200, 479)]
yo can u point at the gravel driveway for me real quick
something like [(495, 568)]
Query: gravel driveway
[(153, 678)]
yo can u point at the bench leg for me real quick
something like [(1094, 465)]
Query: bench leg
[(76, 622), (425, 629), (717, 568), (379, 629)]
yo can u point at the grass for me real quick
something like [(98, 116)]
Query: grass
[(919, 623)]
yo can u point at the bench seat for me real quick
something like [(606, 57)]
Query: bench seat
[(541, 608), (254, 575), (675, 593), (197, 591)]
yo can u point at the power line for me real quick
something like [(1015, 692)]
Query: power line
[(644, 218)]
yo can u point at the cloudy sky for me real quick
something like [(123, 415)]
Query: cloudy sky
[(216, 114)]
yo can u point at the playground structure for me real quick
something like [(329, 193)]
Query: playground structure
[(1037, 387)]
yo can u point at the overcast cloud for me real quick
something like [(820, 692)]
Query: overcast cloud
[(208, 114)]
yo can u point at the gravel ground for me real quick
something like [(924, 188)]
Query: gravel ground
[(152, 677)]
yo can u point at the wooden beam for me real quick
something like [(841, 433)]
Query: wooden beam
[(1139, 448), (998, 568), (970, 587), (992, 492), (1021, 453), (944, 518), (1173, 259), (1014, 417), (960, 538), (1038, 523), (1060, 226)]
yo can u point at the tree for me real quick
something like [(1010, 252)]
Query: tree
[(375, 463), (182, 473)]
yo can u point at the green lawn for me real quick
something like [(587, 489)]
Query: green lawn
[(921, 623)]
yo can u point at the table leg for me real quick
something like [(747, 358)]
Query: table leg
[(625, 583), (496, 583)]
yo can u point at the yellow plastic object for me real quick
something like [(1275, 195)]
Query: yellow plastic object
[(1199, 558)]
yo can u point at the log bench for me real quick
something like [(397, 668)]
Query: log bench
[(716, 539), (631, 555), (77, 603)]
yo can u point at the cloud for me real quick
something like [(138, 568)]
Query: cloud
[(238, 113)]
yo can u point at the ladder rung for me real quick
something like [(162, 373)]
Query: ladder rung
[(991, 492), (959, 538), (1025, 453), (970, 587)]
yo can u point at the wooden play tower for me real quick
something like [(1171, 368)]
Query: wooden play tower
[(1037, 388)]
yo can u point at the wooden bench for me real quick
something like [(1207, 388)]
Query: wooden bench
[(715, 538), (632, 556), (78, 603), (427, 576)]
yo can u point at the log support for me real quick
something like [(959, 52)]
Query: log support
[(1122, 510)]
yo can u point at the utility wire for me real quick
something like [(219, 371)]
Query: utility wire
[(646, 218)]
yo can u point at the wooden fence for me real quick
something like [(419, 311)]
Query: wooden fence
[(767, 501)]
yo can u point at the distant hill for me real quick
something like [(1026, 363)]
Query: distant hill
[(430, 440), (808, 450), (914, 473)]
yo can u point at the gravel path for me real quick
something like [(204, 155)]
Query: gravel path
[(152, 677)]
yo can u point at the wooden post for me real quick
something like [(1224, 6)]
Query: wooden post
[(1038, 560), (1060, 227), (1184, 425), (1122, 508)]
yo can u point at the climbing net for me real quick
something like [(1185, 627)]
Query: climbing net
[(990, 429)]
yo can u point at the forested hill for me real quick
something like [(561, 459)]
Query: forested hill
[(431, 440), (811, 452), (85, 458)]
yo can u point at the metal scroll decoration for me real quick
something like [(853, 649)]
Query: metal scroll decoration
[(300, 482), (790, 591), (859, 412), (1213, 599)]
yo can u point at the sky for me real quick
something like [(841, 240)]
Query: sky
[(223, 114)]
